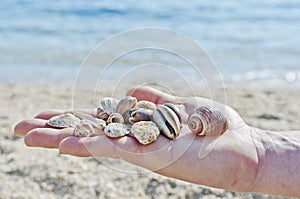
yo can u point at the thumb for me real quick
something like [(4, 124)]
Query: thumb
[(151, 94)]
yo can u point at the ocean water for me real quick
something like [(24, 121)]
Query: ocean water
[(253, 41)]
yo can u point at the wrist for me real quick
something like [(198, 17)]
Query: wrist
[(278, 169)]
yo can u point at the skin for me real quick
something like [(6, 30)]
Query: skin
[(243, 159)]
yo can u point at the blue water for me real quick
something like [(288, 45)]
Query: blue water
[(253, 40)]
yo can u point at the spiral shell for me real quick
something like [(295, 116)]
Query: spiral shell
[(207, 121), (115, 118)]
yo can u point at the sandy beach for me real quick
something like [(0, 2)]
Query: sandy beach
[(43, 173)]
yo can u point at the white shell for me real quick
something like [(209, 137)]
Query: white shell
[(167, 121), (115, 130), (140, 115), (63, 121), (98, 123), (145, 132), (109, 104), (207, 121), (83, 129), (115, 118), (126, 104), (146, 105)]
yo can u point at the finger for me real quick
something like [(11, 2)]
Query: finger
[(98, 146), (45, 115), (25, 126), (151, 94), (47, 137), (51, 113)]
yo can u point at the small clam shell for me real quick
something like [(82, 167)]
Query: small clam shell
[(207, 121), (84, 129), (167, 121), (146, 105), (140, 115), (115, 118), (145, 132), (116, 130), (63, 121), (97, 123), (126, 104), (109, 104)]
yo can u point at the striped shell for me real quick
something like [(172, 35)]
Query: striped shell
[(126, 104), (167, 121), (109, 104), (207, 121)]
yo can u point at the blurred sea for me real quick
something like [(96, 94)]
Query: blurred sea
[(46, 41)]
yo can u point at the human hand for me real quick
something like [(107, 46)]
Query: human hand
[(228, 161)]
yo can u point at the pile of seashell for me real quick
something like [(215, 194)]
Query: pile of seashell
[(144, 120)]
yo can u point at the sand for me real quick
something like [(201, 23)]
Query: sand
[(43, 173)]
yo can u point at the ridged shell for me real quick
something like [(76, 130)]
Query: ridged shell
[(97, 123), (167, 121), (140, 115), (207, 121), (145, 132), (84, 129), (109, 104), (126, 104), (116, 130), (63, 121), (146, 105), (115, 118)]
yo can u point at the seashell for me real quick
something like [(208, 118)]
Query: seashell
[(116, 130), (175, 108), (126, 104), (140, 115), (63, 121), (97, 123), (146, 105), (145, 132), (167, 121), (127, 115), (207, 121), (115, 118), (109, 104), (103, 116), (84, 129), (99, 111)]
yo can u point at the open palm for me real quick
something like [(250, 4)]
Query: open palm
[(228, 161)]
